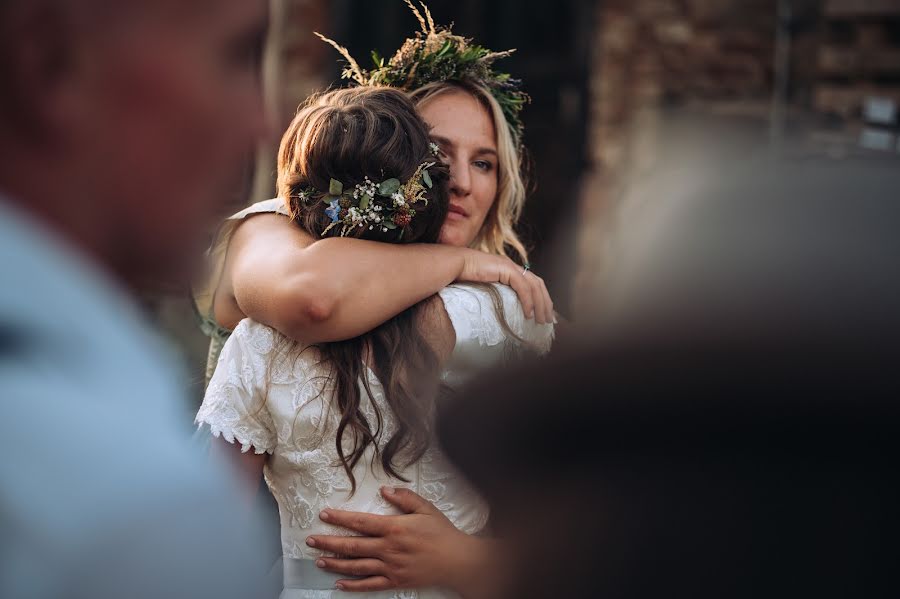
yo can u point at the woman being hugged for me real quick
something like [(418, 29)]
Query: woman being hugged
[(316, 290), (330, 423), (264, 268)]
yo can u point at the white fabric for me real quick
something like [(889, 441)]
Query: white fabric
[(481, 340), (269, 403), (101, 494)]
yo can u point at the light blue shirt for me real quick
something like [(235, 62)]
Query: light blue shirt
[(101, 492)]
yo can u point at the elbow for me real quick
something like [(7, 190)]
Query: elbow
[(306, 310), (318, 309)]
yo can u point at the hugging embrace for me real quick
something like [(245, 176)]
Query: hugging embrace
[(385, 275)]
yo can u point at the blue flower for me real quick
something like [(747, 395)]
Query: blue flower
[(334, 210)]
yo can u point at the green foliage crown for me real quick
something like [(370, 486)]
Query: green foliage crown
[(435, 54)]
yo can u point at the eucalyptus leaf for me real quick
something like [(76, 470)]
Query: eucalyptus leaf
[(364, 201), (335, 188), (389, 187), (426, 178), (389, 225)]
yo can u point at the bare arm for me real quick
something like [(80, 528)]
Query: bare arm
[(333, 289)]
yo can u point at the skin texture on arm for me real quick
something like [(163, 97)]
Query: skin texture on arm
[(334, 289)]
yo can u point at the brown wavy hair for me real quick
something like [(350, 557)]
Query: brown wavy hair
[(348, 135)]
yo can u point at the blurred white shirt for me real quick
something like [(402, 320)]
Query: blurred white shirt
[(101, 493)]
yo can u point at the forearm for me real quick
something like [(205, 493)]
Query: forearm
[(342, 288)]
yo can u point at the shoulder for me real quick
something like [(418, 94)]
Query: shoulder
[(154, 490), (60, 425), (238, 235), (261, 228), (273, 206), (492, 314), (267, 215)]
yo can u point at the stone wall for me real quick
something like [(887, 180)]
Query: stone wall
[(650, 58)]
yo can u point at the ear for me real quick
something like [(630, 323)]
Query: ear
[(36, 67)]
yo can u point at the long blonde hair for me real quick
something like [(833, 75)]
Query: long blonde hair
[(498, 233)]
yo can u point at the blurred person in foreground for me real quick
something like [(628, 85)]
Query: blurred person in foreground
[(730, 430), (121, 125)]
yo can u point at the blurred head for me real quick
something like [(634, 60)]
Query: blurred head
[(351, 135), (143, 113), (728, 425), (486, 187)]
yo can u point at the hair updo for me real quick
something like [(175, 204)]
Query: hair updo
[(350, 135)]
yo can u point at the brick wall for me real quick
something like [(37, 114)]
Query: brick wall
[(652, 57)]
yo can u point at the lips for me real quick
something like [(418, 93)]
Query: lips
[(456, 209)]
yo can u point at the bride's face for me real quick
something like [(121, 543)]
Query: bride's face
[(465, 133)]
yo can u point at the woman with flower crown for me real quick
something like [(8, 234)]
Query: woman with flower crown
[(334, 289), (331, 423)]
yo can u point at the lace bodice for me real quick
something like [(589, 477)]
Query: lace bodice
[(269, 401)]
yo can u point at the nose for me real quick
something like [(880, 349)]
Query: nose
[(460, 179)]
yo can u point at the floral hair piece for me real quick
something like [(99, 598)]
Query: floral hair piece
[(435, 54), (387, 205)]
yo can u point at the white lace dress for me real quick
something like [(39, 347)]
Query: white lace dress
[(282, 407)]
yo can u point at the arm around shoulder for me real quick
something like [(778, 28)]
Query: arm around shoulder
[(330, 289)]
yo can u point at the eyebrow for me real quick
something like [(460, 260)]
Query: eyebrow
[(479, 152)]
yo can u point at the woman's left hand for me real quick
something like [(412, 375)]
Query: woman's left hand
[(420, 548)]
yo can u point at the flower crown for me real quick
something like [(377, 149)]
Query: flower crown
[(388, 205), (435, 54)]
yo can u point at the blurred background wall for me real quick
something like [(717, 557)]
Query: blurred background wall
[(607, 77)]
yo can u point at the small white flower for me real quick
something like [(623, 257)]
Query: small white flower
[(435, 149), (399, 200)]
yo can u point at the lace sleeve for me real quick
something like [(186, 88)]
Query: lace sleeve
[(234, 406), (475, 319)]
